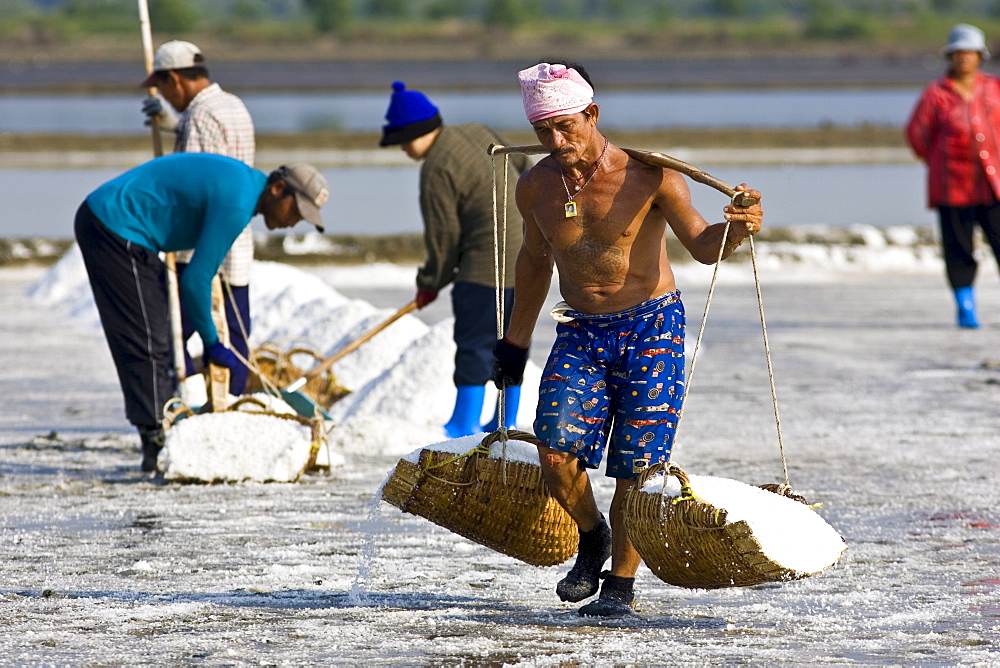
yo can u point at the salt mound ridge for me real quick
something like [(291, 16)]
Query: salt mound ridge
[(790, 533)]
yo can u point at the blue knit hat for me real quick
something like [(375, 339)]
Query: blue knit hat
[(410, 115)]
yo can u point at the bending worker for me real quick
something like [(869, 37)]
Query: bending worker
[(456, 202), (212, 121), (186, 200), (615, 377)]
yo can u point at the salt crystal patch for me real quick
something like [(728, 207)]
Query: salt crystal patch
[(236, 446), (790, 533), (516, 451), (455, 446)]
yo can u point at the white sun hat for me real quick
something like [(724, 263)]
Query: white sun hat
[(965, 37)]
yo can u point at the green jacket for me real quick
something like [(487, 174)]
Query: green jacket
[(456, 201)]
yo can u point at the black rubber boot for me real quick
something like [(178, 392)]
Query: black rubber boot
[(584, 579), (616, 599), (151, 439)]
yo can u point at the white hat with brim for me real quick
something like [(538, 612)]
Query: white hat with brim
[(175, 55), (965, 37)]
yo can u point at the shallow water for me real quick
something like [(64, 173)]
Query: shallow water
[(501, 109), (384, 200), (886, 420)]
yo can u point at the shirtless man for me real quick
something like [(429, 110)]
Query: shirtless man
[(615, 375)]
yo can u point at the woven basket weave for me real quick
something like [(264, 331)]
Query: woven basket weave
[(503, 505), (689, 543)]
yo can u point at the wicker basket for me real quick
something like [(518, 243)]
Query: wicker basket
[(690, 544), (280, 370), (503, 505)]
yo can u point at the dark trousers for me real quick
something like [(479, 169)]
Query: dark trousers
[(237, 301), (958, 223), (129, 285), (475, 312)]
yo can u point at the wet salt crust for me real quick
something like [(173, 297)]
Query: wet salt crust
[(98, 563), (790, 533)]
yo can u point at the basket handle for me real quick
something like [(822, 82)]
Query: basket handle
[(269, 348), (667, 468), (301, 350), (512, 435)]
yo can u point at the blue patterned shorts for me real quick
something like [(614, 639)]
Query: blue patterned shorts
[(615, 378)]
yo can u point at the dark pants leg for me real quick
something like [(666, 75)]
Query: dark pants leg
[(129, 288), (237, 311), (958, 223), (238, 334), (990, 223), (475, 312)]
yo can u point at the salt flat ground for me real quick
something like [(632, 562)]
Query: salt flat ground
[(889, 418)]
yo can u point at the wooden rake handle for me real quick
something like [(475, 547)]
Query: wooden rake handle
[(650, 158), (356, 343)]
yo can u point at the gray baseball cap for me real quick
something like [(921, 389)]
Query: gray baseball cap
[(311, 190)]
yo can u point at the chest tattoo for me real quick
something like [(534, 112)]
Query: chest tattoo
[(596, 260)]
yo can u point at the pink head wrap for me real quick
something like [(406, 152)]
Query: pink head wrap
[(553, 90)]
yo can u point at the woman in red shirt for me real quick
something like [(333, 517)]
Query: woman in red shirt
[(954, 129)]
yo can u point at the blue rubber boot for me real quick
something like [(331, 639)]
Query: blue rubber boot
[(966, 300), (511, 400), (468, 410)]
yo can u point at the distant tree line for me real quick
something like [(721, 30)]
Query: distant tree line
[(811, 19)]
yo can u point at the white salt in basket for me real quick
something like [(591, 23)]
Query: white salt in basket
[(489, 492), (246, 442), (707, 533)]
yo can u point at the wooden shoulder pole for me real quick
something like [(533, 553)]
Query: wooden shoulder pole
[(650, 158)]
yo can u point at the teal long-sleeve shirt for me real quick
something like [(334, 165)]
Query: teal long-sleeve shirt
[(185, 200)]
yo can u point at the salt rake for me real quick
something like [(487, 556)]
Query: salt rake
[(653, 158), (306, 406)]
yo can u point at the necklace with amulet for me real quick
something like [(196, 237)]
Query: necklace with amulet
[(570, 208)]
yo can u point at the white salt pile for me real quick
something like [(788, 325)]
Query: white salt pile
[(789, 532), (65, 286), (236, 446)]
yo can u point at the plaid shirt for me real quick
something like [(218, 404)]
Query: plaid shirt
[(218, 122), (456, 201), (958, 139)]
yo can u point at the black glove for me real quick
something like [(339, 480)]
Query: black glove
[(508, 364)]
